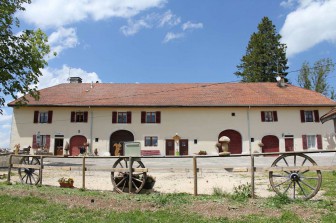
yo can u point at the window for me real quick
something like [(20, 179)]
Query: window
[(269, 116), (41, 141), (312, 142), (121, 117), (43, 117), (151, 141), (150, 117), (79, 116), (310, 116)]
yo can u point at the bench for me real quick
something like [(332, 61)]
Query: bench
[(150, 153)]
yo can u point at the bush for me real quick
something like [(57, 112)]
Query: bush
[(242, 192)]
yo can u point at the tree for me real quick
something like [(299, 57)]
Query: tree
[(315, 78), (21, 55), (265, 57)]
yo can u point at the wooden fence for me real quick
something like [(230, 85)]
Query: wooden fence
[(252, 168)]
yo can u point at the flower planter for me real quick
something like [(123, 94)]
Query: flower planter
[(66, 185)]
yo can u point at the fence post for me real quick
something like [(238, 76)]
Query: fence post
[(9, 168), (83, 173), (195, 175), (41, 172), (130, 175), (252, 177)]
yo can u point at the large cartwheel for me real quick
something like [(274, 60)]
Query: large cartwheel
[(29, 170), (121, 179), (294, 175)]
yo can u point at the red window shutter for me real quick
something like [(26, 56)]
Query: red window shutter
[(129, 117), (114, 117), (304, 142), (319, 141), (262, 116), (143, 117), (158, 117), (73, 116), (86, 116), (34, 142), (275, 116), (36, 115), (316, 116), (302, 116), (50, 114), (47, 145)]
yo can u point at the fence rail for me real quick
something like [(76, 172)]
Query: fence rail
[(194, 167)]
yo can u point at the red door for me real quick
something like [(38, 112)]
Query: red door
[(289, 144), (235, 145), (170, 147), (271, 144), (75, 143), (184, 147)]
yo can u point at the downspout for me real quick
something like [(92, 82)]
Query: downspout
[(91, 130), (249, 128)]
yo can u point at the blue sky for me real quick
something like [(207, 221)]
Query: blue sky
[(171, 41)]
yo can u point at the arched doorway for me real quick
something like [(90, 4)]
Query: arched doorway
[(76, 142), (235, 145), (119, 137), (271, 144)]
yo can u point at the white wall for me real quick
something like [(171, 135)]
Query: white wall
[(203, 124)]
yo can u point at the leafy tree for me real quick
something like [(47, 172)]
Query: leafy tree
[(21, 55), (315, 78), (265, 57)]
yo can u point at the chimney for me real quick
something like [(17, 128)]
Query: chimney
[(281, 81), (75, 80)]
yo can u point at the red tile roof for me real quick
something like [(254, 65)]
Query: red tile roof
[(191, 94)]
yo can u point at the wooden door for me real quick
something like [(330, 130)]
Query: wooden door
[(289, 144), (75, 143), (184, 147), (170, 147), (117, 140), (235, 145), (271, 144)]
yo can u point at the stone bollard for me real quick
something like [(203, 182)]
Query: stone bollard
[(224, 141)]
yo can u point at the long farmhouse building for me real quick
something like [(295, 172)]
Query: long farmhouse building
[(257, 117)]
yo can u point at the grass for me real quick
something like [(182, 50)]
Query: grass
[(36, 206)]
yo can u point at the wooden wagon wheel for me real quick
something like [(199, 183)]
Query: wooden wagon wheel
[(120, 178), (295, 180), (29, 175)]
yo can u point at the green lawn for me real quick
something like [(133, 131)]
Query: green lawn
[(21, 203)]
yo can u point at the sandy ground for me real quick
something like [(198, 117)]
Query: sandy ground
[(166, 182)]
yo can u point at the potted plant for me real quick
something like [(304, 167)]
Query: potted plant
[(150, 181), (66, 182)]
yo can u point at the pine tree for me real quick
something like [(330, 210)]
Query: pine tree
[(265, 57)]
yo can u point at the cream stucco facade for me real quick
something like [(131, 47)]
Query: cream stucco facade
[(201, 126)]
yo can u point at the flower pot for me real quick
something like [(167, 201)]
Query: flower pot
[(66, 185)]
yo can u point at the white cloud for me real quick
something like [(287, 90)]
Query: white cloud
[(51, 13), (172, 36), (5, 128), (62, 39), (133, 27), (52, 77), (312, 22), (190, 25), (168, 18), (149, 21), (288, 3)]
